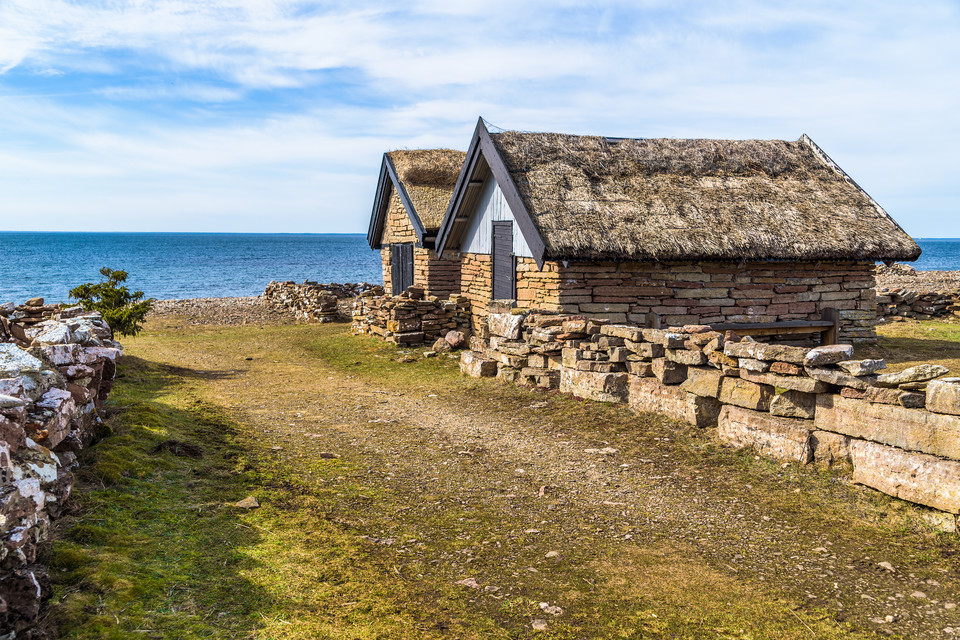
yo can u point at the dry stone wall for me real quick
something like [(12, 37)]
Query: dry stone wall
[(411, 318), (312, 301), (56, 369), (899, 432)]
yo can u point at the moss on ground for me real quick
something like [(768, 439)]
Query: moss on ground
[(349, 547)]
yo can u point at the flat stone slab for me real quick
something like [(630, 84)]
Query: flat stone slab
[(703, 382), (475, 365), (862, 367), (771, 436), (746, 394), (506, 325), (794, 404), (828, 354), (943, 396), (603, 387), (911, 476), (14, 361), (919, 373), (649, 394), (795, 383), (839, 378), (910, 429), (762, 351)]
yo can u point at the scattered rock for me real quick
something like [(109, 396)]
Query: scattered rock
[(468, 582), (249, 502), (539, 624), (887, 566), (553, 610)]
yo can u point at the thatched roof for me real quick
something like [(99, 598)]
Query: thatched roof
[(662, 199), (428, 175)]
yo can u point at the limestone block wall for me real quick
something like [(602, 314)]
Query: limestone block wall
[(690, 293), (312, 301), (898, 433), (411, 318), (55, 375)]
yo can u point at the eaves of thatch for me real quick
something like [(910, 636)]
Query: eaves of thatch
[(423, 180), (594, 198)]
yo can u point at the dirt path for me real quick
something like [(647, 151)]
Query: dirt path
[(532, 496)]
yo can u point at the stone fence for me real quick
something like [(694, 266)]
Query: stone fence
[(412, 318), (897, 305), (900, 432), (56, 369), (312, 301)]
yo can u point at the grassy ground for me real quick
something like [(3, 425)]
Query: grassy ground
[(905, 344), (375, 509)]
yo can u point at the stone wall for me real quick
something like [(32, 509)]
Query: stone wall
[(312, 301), (901, 304), (898, 432), (55, 375), (685, 293), (411, 318)]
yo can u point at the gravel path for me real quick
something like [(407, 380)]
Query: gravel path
[(584, 498), (223, 311)]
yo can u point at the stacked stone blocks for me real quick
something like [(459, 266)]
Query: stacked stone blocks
[(900, 431)]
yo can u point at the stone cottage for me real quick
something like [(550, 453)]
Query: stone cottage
[(412, 196), (678, 231)]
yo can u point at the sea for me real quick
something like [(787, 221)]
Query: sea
[(208, 265)]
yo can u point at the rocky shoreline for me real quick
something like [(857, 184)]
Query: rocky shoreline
[(899, 276)]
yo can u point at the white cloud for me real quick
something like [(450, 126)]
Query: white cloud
[(211, 105)]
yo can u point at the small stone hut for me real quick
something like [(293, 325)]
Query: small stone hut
[(681, 231), (412, 196)]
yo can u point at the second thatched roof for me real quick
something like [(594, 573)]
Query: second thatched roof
[(594, 198), (428, 176)]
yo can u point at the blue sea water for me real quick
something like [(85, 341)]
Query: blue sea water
[(201, 265), (179, 265)]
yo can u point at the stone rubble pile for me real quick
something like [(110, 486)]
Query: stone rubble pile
[(30, 312), (899, 431), (410, 318), (55, 375), (900, 304), (312, 301)]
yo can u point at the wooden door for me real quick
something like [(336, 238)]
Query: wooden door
[(401, 267), (504, 263)]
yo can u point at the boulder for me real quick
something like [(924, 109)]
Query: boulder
[(14, 361)]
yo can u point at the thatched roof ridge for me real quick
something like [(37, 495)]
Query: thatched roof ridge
[(663, 199), (428, 176)]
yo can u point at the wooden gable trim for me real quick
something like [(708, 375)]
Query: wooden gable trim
[(482, 147), (381, 202)]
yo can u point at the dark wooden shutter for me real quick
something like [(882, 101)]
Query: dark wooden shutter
[(401, 267), (504, 267)]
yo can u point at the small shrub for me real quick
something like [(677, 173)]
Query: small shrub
[(124, 311)]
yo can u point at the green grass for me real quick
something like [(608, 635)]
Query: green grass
[(153, 547)]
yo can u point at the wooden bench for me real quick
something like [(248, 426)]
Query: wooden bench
[(828, 327)]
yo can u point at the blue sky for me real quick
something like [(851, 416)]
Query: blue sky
[(259, 115)]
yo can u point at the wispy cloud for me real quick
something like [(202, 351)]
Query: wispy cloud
[(277, 111)]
